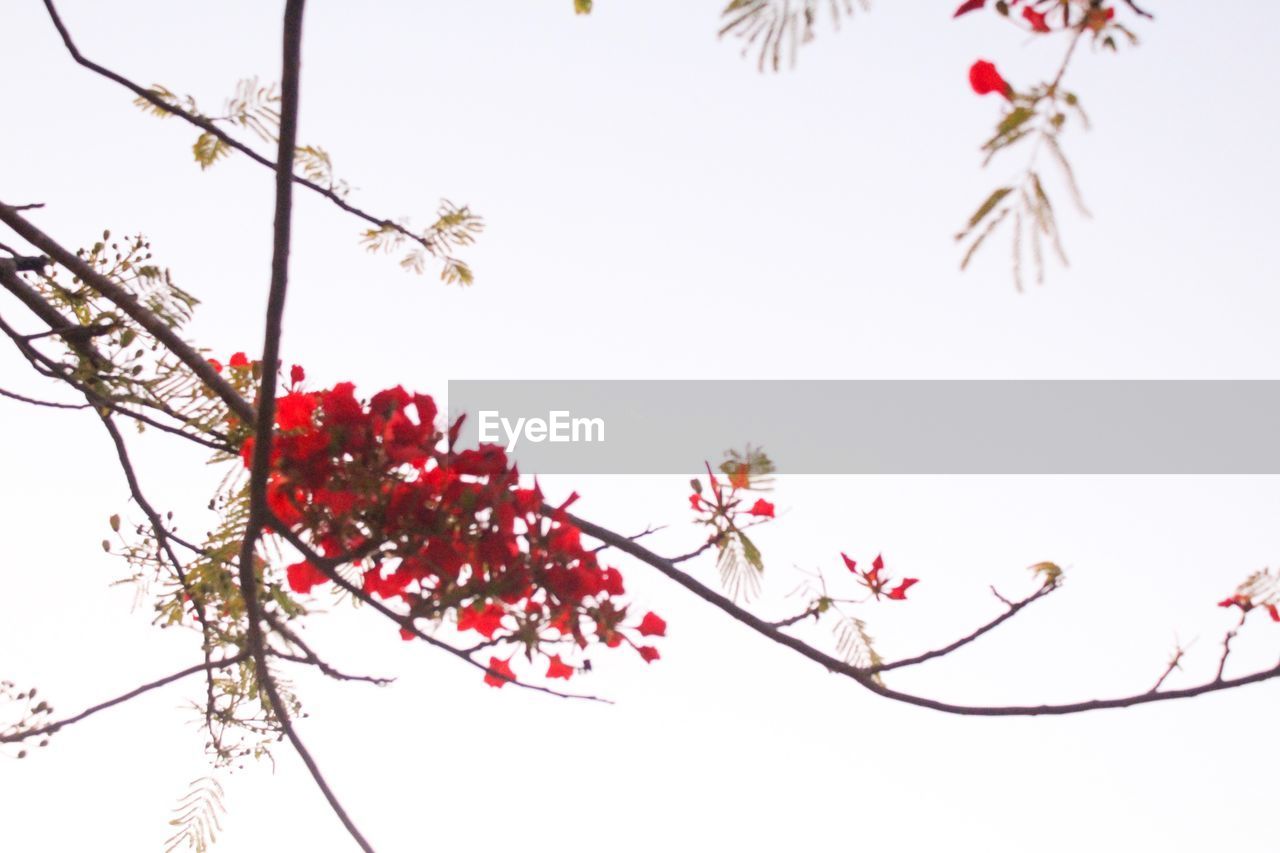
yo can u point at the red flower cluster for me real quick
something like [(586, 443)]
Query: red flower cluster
[(445, 532), (1246, 603), (873, 581)]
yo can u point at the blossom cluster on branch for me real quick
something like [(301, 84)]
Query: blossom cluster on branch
[(446, 533)]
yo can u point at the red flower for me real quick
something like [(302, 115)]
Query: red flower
[(297, 375), (875, 583), (1035, 19), (1274, 611), (216, 365), (969, 6), (239, 360), (762, 508), (649, 653), (653, 625), (985, 79), (407, 634), (303, 576), (499, 672), (695, 501), (557, 668)]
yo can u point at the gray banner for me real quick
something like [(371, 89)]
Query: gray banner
[(879, 427)]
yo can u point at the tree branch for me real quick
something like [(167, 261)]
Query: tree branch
[(866, 677), (210, 127), (1010, 612), (124, 697), (132, 306), (290, 78)]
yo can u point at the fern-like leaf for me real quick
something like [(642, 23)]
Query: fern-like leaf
[(197, 817)]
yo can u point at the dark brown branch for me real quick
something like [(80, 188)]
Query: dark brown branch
[(865, 677), (132, 306), (161, 533), (21, 398), (310, 658), (80, 342), (290, 78), (124, 697), (209, 126)]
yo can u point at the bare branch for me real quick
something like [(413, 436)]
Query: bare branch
[(1010, 612), (122, 698)]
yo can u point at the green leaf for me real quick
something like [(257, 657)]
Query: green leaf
[(985, 208), (751, 553), (1013, 120), (209, 149)]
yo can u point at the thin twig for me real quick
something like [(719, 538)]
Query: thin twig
[(124, 697), (1013, 609), (49, 404)]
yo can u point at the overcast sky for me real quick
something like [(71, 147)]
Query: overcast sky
[(657, 209)]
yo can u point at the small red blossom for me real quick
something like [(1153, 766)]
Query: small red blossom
[(303, 576), (407, 634), (1274, 611), (985, 79), (239, 359), (762, 508), (696, 502), (873, 581), (557, 668), (652, 625), (1244, 602), (649, 653), (1035, 19), (215, 364), (297, 375), (499, 672)]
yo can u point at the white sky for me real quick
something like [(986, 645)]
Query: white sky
[(657, 209)]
